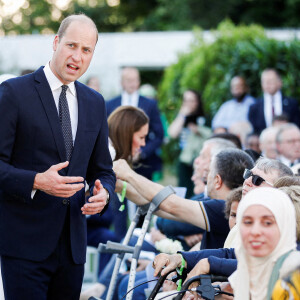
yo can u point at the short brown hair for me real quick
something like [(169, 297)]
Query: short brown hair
[(122, 124), (234, 195)]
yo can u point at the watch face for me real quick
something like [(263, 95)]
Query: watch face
[(107, 199)]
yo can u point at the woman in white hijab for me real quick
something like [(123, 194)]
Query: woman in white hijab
[(267, 235)]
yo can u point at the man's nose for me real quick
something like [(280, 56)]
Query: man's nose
[(76, 55)]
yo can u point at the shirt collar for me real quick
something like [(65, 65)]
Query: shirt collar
[(54, 82), (133, 95), (269, 97), (285, 160)]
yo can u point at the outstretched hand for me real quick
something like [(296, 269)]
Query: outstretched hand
[(54, 184), (97, 202)]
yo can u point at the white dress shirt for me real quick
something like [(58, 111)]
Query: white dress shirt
[(232, 111), (130, 99), (55, 86), (287, 162), (277, 97)]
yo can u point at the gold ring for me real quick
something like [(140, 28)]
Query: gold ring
[(154, 263)]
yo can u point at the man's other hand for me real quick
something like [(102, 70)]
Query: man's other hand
[(54, 184), (97, 202)]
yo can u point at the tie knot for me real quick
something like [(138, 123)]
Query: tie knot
[(64, 88)]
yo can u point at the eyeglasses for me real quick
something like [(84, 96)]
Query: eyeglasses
[(256, 180)]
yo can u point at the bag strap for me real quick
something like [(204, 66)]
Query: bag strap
[(275, 273)]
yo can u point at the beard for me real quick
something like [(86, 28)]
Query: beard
[(240, 97)]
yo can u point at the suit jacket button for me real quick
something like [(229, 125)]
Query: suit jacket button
[(65, 201)]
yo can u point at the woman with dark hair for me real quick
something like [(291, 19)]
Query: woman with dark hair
[(188, 126), (128, 127)]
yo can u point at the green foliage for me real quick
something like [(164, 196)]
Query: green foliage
[(209, 67), (44, 16)]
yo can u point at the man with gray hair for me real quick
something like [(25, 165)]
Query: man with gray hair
[(201, 164), (288, 144), (209, 214), (267, 142), (265, 173)]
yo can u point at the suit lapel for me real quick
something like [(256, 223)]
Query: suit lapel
[(47, 100), (142, 104), (285, 104)]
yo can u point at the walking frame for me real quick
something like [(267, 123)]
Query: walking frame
[(122, 249), (206, 289)]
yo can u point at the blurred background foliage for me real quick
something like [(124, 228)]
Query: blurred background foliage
[(209, 67), (44, 16)]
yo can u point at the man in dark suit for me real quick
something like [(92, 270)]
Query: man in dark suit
[(53, 136), (149, 159), (273, 103)]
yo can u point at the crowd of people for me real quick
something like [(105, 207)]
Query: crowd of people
[(66, 156)]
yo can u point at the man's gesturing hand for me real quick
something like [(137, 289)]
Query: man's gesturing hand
[(54, 184), (97, 202)]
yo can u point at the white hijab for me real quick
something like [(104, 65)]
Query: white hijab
[(253, 273)]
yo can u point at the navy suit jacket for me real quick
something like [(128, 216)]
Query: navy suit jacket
[(256, 113), (149, 155), (31, 141)]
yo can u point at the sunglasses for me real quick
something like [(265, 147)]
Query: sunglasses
[(256, 180)]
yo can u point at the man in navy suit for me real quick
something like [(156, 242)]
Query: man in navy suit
[(149, 158), (273, 103), (53, 136)]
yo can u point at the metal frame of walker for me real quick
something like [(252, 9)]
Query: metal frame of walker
[(122, 249)]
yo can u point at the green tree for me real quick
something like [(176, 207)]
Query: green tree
[(44, 16)]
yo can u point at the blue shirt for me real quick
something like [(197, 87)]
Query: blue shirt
[(232, 111), (217, 227), (222, 261)]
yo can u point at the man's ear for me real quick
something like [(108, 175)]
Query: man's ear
[(55, 43), (218, 182)]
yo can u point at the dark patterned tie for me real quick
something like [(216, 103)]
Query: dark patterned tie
[(65, 121), (273, 107)]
